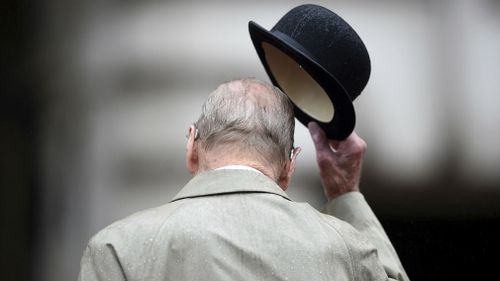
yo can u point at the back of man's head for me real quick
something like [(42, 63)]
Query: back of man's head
[(248, 117)]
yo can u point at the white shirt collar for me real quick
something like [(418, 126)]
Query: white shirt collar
[(239, 167)]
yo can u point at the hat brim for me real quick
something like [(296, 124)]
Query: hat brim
[(344, 119)]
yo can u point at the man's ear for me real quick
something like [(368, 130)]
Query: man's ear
[(289, 169), (192, 160)]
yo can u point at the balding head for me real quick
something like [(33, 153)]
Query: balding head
[(248, 118)]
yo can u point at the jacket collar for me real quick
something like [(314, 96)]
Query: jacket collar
[(224, 181)]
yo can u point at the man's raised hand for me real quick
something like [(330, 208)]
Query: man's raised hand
[(339, 162)]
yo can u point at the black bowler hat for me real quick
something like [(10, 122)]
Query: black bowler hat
[(318, 60)]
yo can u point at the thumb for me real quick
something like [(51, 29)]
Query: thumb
[(319, 138)]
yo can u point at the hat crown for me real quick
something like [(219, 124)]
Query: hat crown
[(331, 42)]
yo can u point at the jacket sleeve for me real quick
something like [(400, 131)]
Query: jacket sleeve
[(353, 209), (100, 262)]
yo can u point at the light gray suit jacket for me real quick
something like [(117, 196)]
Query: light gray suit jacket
[(240, 225)]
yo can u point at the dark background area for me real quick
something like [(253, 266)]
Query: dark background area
[(445, 249), (20, 108), (461, 246)]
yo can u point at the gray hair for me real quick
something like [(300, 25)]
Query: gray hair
[(249, 115)]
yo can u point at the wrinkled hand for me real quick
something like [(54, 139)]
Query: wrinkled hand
[(339, 162)]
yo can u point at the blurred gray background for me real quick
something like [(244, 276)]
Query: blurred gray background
[(100, 94)]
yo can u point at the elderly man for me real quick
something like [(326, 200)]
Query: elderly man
[(234, 221)]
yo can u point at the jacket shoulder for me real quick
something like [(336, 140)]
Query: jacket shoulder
[(135, 227)]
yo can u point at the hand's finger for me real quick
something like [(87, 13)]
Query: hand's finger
[(319, 138), (350, 139), (352, 145)]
